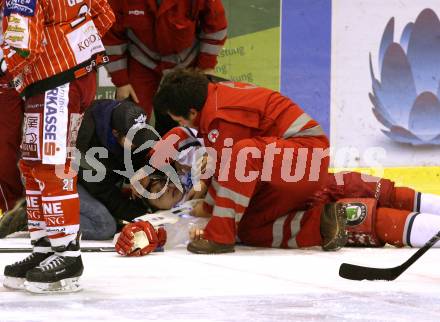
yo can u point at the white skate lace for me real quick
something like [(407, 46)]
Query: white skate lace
[(24, 260), (51, 262)]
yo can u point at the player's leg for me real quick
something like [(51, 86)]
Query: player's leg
[(15, 274), (357, 185), (59, 197), (260, 207), (273, 217), (144, 82), (318, 226), (60, 205), (405, 228), (97, 223)]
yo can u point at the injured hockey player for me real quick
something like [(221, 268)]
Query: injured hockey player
[(377, 213)]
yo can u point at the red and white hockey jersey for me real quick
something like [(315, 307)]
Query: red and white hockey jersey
[(53, 40)]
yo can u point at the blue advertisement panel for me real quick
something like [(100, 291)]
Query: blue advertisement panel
[(306, 56)]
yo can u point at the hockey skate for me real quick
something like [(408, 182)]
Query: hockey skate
[(57, 274), (15, 274), (333, 222)]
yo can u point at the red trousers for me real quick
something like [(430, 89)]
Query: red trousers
[(51, 124), (266, 210), (145, 82), (273, 216), (11, 115)]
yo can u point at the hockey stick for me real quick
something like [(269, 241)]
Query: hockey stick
[(83, 249), (359, 273)]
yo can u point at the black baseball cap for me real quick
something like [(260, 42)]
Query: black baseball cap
[(126, 115)]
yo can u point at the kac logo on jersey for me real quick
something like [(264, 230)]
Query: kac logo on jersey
[(356, 213), (22, 7)]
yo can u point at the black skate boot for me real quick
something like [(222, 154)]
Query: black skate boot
[(15, 274), (333, 223), (58, 273)]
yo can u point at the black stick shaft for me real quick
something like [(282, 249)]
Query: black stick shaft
[(421, 251), (356, 272)]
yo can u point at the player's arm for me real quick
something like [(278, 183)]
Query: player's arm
[(102, 15), (220, 132), (213, 33), (23, 34)]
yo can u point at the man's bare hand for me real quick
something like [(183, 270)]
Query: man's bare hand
[(199, 193), (195, 233), (199, 211), (126, 91), (208, 71)]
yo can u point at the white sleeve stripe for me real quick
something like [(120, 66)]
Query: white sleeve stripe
[(33, 192), (57, 198), (219, 35)]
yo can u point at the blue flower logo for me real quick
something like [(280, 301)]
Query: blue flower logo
[(406, 98)]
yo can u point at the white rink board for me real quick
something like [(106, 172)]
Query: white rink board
[(249, 285), (357, 29)]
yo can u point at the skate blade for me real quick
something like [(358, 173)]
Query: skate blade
[(68, 285), (14, 283)]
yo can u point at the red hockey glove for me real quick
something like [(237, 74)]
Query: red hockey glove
[(129, 243)]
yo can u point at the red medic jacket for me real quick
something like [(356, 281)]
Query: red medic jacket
[(239, 111), (178, 33)]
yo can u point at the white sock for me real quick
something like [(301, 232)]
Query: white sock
[(419, 228), (427, 203)]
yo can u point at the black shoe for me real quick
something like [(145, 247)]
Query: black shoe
[(333, 223), (14, 220), (204, 246), (15, 274)]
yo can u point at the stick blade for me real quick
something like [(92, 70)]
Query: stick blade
[(359, 273)]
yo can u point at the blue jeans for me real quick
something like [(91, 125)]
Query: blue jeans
[(96, 222)]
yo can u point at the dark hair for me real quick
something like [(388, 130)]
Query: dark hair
[(181, 90)]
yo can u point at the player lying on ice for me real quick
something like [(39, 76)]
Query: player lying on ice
[(377, 213), (233, 117)]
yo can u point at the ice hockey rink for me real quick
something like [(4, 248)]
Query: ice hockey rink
[(251, 284)]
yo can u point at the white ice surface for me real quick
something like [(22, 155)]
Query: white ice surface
[(249, 285)]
